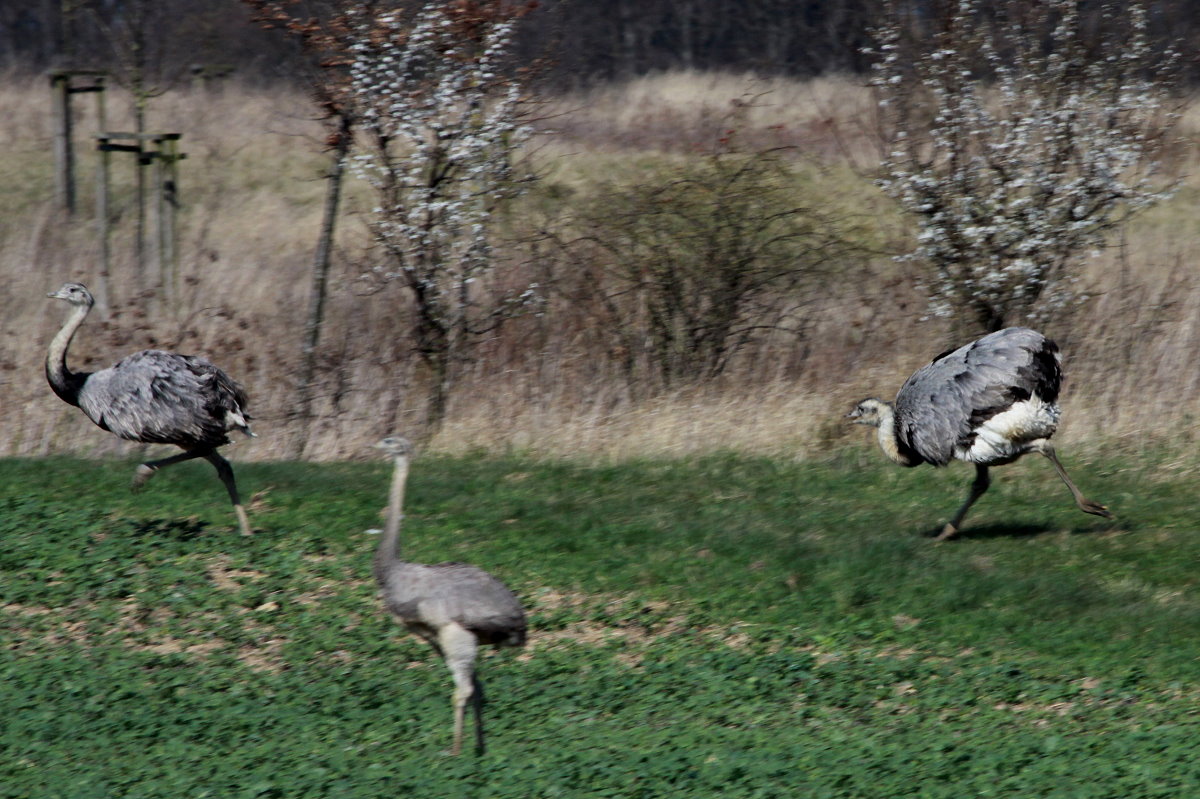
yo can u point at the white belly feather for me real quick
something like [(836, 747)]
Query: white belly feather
[(1008, 434)]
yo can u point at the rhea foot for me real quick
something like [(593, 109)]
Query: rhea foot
[(1095, 508), (140, 477), (948, 532)]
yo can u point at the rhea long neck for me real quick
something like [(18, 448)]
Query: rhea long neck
[(887, 436), (388, 551), (66, 384)]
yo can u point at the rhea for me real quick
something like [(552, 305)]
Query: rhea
[(988, 403), (454, 607), (155, 397)]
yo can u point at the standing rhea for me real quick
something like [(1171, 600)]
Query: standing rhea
[(155, 397), (989, 403), (455, 607)]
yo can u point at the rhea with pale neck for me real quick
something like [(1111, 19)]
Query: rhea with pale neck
[(454, 607), (154, 397), (987, 403)]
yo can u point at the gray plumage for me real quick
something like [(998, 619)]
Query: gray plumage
[(454, 607), (430, 596), (164, 398), (988, 403), (154, 397), (939, 409)]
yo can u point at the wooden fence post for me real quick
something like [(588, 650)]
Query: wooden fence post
[(64, 155), (166, 174), (103, 221)]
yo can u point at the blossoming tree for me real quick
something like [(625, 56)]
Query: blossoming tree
[(440, 119), (1018, 137)]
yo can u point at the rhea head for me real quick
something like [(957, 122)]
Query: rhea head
[(74, 293), (870, 411), (396, 446)]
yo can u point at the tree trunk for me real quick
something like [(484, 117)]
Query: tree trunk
[(318, 290), (438, 395), (975, 319)]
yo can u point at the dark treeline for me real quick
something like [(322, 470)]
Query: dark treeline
[(585, 41), (612, 39)]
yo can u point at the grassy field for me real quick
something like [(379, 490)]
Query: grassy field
[(724, 626)]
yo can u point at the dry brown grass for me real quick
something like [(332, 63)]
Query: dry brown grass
[(604, 621), (252, 193), (686, 110)]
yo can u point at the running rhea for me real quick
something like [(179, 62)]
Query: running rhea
[(987, 403), (454, 607), (155, 397)]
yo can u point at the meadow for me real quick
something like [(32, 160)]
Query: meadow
[(730, 592), (726, 625)]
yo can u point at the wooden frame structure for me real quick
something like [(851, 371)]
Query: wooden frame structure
[(161, 151), (62, 86)]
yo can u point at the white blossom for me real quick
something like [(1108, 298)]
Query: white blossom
[(440, 131), (1033, 154)]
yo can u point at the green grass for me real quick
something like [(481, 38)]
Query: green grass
[(729, 626)]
